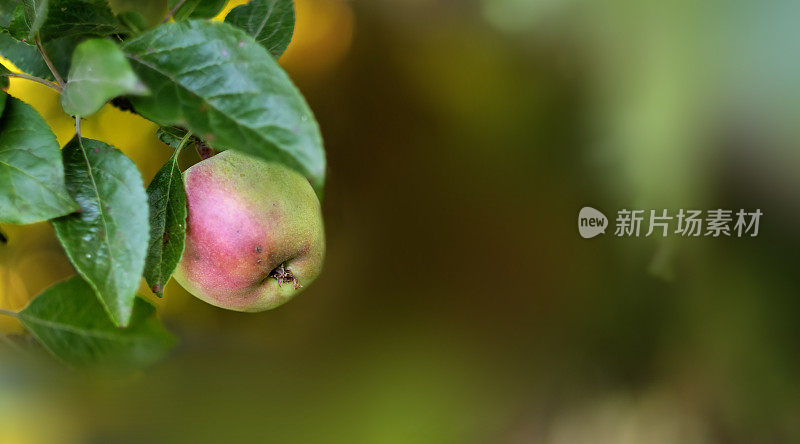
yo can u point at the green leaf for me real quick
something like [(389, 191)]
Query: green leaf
[(79, 18), (17, 26), (107, 240), (171, 136), (167, 200), (99, 72), (7, 9), (23, 56), (29, 19), (133, 20), (270, 22), (35, 15), (32, 185), (152, 12), (68, 23), (27, 58), (217, 82), (196, 8), (69, 321), (3, 82)]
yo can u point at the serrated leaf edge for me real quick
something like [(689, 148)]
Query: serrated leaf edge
[(83, 273), (174, 161)]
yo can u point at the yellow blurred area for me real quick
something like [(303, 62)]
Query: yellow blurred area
[(33, 259), (322, 36), (29, 420)]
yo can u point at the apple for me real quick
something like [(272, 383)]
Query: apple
[(254, 233)]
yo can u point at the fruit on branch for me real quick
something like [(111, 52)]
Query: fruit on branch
[(254, 235)]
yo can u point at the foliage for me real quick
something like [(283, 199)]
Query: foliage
[(200, 80), (69, 322), (167, 200), (216, 81), (106, 240), (99, 72), (31, 172), (270, 22)]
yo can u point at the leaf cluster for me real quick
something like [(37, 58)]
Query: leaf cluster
[(214, 83)]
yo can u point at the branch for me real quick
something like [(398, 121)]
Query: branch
[(8, 312), (33, 78), (203, 149), (184, 141), (173, 11), (48, 62)]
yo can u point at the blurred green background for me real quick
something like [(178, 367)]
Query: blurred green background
[(458, 303)]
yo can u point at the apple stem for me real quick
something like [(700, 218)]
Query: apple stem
[(203, 149), (173, 11)]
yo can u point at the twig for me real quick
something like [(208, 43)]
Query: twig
[(8, 312), (33, 78), (203, 149), (78, 126), (183, 142), (48, 62), (173, 11)]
